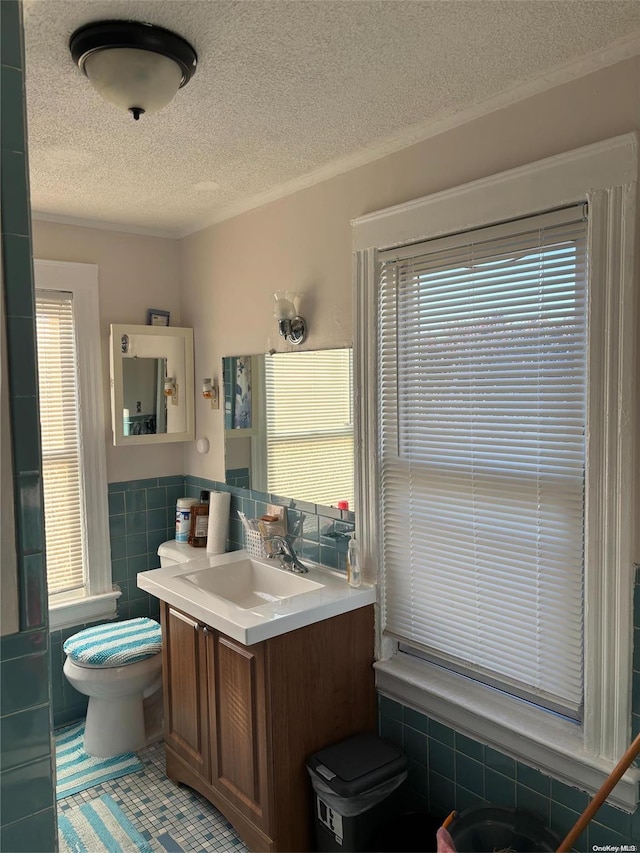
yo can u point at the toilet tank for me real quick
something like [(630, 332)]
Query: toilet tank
[(174, 553)]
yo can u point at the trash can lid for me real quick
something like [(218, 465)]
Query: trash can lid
[(357, 764)]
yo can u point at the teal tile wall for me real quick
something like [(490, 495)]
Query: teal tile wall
[(237, 477), (27, 809), (142, 516), (448, 770), (319, 533)]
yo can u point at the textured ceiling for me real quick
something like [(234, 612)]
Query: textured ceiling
[(285, 90)]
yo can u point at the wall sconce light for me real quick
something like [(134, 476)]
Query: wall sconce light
[(291, 326), (134, 66), (169, 386), (210, 392)]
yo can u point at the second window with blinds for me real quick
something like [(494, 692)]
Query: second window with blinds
[(73, 447)]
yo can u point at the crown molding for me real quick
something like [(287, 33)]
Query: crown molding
[(623, 49), (104, 225)]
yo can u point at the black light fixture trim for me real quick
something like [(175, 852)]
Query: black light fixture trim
[(103, 35)]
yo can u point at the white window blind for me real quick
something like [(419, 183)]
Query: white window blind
[(309, 416), (59, 424), (482, 396)]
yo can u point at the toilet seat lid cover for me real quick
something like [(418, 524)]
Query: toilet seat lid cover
[(115, 643)]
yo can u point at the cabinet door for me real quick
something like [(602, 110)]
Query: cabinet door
[(238, 732), (185, 692)]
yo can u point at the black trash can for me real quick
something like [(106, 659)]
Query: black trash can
[(351, 782)]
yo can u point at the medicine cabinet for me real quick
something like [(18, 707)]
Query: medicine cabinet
[(152, 387)]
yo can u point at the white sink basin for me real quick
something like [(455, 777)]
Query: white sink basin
[(249, 583), (252, 599)]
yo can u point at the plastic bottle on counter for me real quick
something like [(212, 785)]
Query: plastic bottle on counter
[(183, 519), (354, 577), (199, 521)]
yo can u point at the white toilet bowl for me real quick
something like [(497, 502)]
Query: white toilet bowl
[(115, 714), (116, 680)]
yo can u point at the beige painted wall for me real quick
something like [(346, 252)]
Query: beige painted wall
[(220, 280), (303, 241), (135, 273)]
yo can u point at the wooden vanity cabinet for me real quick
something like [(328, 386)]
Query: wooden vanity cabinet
[(241, 721)]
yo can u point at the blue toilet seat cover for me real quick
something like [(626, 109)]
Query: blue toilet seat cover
[(116, 643)]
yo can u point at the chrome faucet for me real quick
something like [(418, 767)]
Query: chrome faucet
[(282, 549)]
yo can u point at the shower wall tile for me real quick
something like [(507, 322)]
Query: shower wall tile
[(10, 35), (25, 790), (23, 683), (27, 803), (36, 833)]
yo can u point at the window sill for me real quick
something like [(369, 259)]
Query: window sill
[(550, 744), (78, 611)]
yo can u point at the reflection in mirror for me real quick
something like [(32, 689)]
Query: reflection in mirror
[(144, 403), (289, 424), (238, 400), (152, 391)]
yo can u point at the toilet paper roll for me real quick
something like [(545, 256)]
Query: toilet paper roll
[(218, 530)]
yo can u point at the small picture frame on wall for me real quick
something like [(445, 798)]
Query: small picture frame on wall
[(156, 317)]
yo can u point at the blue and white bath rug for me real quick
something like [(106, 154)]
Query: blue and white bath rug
[(99, 825), (76, 771)]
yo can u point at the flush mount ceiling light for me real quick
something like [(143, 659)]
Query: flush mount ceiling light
[(134, 66)]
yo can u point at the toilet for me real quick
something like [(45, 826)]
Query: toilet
[(174, 553), (117, 665)]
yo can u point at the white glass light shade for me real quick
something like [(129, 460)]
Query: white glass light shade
[(285, 308), (130, 78)]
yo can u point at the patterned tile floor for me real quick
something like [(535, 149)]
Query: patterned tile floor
[(173, 818)]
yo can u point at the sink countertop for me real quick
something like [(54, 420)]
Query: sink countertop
[(255, 624)]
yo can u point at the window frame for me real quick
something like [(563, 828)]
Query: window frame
[(97, 600), (604, 176)]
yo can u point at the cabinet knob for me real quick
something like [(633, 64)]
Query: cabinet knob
[(205, 630)]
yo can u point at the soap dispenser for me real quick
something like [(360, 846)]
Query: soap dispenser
[(354, 577)]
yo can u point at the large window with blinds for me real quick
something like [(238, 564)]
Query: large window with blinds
[(482, 407), (309, 425), (62, 476), (74, 476), (496, 350)]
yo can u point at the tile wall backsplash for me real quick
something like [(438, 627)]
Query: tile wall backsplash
[(320, 533), (27, 809), (448, 770), (237, 477), (142, 516)]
